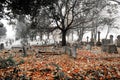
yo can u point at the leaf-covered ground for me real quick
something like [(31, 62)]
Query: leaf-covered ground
[(89, 65)]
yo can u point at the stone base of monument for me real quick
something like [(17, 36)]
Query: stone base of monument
[(98, 44), (111, 48)]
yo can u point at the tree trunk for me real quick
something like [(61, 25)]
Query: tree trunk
[(48, 35), (72, 35), (63, 38), (24, 52), (107, 33), (31, 38), (40, 36), (95, 35), (80, 34)]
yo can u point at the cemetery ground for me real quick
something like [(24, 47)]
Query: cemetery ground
[(48, 63)]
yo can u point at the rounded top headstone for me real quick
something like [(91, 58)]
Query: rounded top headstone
[(118, 37), (111, 36), (99, 32)]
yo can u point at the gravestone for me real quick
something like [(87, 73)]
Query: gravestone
[(24, 51), (73, 52), (108, 47), (105, 43), (88, 47), (111, 39), (112, 48), (79, 45), (68, 50), (87, 39), (91, 42), (118, 41), (64, 49), (6, 43), (1, 46), (98, 42), (10, 42)]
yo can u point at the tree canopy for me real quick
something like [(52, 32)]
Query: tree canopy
[(26, 7), (65, 14)]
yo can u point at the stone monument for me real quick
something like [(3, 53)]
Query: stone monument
[(98, 42), (108, 46), (105, 43), (87, 39), (118, 41), (1, 46), (111, 39)]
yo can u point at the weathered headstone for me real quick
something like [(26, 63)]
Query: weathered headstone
[(6, 43), (79, 45), (73, 51), (111, 39), (1, 46), (98, 42), (88, 47), (112, 48), (118, 41), (65, 49), (10, 42), (108, 47), (105, 43), (68, 51), (87, 39)]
